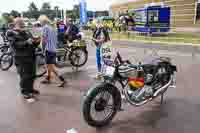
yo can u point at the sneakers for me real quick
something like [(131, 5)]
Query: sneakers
[(29, 97), (63, 81), (62, 84)]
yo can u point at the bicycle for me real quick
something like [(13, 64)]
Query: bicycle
[(7, 60), (74, 52), (5, 46)]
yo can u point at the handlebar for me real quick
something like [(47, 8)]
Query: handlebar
[(121, 61)]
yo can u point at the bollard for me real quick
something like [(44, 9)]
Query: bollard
[(128, 35), (194, 51)]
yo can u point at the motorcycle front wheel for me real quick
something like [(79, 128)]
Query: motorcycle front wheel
[(6, 61), (100, 107)]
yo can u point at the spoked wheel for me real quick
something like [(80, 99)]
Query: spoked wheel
[(78, 57), (40, 65), (4, 49), (6, 61), (100, 107)]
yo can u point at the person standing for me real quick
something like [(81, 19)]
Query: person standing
[(61, 28), (100, 36), (72, 31), (25, 59), (50, 46)]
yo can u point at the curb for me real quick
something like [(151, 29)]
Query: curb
[(159, 42)]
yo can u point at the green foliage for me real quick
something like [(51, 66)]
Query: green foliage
[(7, 17), (74, 13), (32, 7), (34, 12), (15, 13), (46, 9)]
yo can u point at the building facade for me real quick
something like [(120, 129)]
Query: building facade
[(183, 12)]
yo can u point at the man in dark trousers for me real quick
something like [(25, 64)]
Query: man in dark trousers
[(24, 54)]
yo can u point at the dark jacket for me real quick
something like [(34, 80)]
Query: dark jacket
[(19, 43), (98, 31), (72, 29)]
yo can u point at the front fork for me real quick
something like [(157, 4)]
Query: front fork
[(173, 84)]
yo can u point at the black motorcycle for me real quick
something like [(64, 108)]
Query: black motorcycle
[(140, 84)]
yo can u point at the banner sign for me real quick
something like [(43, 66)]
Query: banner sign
[(83, 12)]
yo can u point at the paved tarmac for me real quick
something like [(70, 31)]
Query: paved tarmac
[(59, 109)]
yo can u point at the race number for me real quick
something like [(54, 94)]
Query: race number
[(106, 50)]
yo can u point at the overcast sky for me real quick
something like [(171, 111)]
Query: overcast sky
[(21, 5)]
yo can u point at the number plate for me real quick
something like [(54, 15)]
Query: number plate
[(109, 70)]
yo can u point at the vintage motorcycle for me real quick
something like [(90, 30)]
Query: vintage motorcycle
[(140, 84)]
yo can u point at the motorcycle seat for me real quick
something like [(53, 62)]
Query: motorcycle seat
[(155, 60)]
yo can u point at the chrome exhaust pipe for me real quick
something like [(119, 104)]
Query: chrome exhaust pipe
[(147, 100), (163, 88), (134, 103)]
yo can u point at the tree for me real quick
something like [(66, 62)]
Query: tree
[(46, 9), (32, 7), (15, 13), (76, 10), (32, 11), (74, 13), (46, 6)]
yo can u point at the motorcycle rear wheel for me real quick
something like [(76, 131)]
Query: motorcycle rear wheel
[(76, 55), (100, 106)]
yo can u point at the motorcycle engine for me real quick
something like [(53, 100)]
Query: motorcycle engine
[(148, 78), (140, 94), (162, 75)]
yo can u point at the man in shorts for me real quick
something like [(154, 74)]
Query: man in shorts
[(50, 46)]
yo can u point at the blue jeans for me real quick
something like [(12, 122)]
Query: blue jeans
[(98, 58)]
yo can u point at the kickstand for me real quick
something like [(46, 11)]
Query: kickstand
[(76, 69), (162, 99)]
